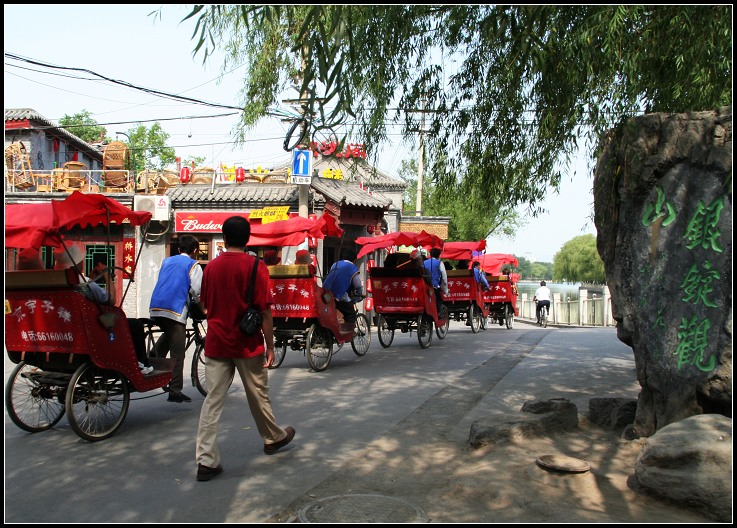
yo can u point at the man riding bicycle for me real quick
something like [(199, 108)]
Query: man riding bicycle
[(542, 298)]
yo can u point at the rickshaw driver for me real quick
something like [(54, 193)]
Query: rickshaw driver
[(438, 276), (344, 282), (480, 276)]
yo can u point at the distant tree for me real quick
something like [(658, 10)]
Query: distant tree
[(541, 270), (84, 127), (578, 261), (524, 268), (148, 147), (470, 220), (194, 161)]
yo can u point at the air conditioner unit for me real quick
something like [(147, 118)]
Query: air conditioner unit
[(158, 206)]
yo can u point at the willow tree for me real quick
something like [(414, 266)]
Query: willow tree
[(506, 93)]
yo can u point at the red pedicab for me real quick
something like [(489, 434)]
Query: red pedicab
[(72, 354), (305, 314), (501, 297), (465, 299), (402, 297)]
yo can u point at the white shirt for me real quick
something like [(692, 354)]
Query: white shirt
[(542, 293)]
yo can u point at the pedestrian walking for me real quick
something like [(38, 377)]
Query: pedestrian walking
[(225, 289)]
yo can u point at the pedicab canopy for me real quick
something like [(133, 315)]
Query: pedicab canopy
[(462, 250), (492, 263), (398, 238), (292, 232), (43, 224)]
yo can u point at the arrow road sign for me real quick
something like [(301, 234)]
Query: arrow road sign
[(301, 166)]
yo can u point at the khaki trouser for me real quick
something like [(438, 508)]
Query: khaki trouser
[(219, 373)]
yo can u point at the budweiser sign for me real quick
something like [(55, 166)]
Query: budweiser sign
[(212, 221), (203, 221)]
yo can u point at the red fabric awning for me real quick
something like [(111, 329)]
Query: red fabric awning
[(461, 250), (398, 238), (294, 231), (42, 224), (493, 263)]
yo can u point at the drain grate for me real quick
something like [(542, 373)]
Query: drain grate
[(361, 508)]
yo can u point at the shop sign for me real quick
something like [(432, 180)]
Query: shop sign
[(212, 221), (271, 214), (129, 257)]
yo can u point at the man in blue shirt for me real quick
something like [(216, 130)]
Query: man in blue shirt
[(480, 275), (180, 276), (344, 282), (438, 275)]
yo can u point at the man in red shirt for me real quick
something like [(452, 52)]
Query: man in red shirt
[(225, 286)]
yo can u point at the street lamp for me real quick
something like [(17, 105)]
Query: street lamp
[(133, 156)]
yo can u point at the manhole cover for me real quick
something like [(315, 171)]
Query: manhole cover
[(361, 508), (563, 463)]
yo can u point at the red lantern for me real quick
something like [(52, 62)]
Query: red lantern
[(185, 174), (240, 174), (369, 304)]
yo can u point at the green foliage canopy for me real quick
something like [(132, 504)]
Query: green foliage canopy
[(148, 147), (508, 89), (84, 127), (578, 261), (469, 221)]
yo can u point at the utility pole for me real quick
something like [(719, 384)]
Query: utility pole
[(421, 163), (304, 189)]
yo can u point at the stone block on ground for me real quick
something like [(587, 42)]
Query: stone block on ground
[(612, 413), (690, 463), (538, 418)]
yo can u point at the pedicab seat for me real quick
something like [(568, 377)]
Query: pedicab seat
[(40, 279), (459, 273), (393, 272), (286, 271)]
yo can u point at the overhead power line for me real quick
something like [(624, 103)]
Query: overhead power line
[(159, 93)]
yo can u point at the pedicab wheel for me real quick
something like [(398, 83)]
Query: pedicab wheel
[(509, 317), (442, 330), (474, 316), (279, 353), (319, 347), (362, 340), (97, 401), (424, 330), (198, 369), (199, 365), (386, 333), (483, 321), (34, 398)]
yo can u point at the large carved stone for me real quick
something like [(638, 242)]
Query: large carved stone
[(663, 213), (690, 463)]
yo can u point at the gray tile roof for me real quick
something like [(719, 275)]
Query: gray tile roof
[(349, 193), (251, 195), (29, 114), (248, 195)]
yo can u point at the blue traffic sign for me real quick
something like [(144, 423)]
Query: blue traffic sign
[(301, 163)]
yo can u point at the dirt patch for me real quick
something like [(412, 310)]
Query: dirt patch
[(451, 482)]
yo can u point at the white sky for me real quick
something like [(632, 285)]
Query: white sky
[(122, 42)]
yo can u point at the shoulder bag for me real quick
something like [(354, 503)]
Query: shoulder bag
[(251, 321)]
